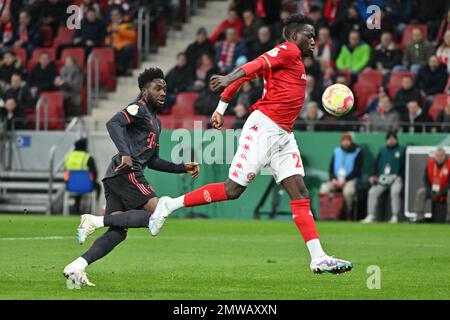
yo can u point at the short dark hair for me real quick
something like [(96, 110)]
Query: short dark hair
[(296, 23), (148, 75)]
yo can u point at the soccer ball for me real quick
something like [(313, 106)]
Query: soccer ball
[(338, 99)]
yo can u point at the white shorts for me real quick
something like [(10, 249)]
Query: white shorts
[(265, 145)]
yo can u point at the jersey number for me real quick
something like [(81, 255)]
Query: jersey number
[(296, 156), (151, 139)]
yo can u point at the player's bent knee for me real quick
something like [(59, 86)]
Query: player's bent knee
[(233, 190)]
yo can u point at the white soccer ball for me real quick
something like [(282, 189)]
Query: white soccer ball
[(338, 99)]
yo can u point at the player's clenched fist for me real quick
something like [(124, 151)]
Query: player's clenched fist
[(193, 169), (217, 120)]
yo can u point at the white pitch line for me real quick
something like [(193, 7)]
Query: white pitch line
[(199, 238)]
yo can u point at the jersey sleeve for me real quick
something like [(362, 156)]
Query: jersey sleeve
[(278, 57), (231, 90), (117, 125)]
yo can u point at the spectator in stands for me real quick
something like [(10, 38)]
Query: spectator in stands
[(92, 32), (432, 78), (200, 46), (206, 68), (406, 93), (345, 170), (178, 79), (12, 7), (429, 13), (342, 27), (313, 91), (385, 118), (443, 51), (399, 11), (80, 159), (8, 66), (326, 49), (417, 52), (20, 92), (251, 26), (206, 102), (54, 14), (329, 75), (233, 21), (310, 118), (443, 27), (43, 75), (122, 37), (70, 82), (11, 116), (90, 5), (229, 51), (333, 9), (386, 174), (6, 32), (315, 14), (386, 55), (443, 119), (27, 35), (262, 44), (241, 114), (436, 181), (277, 27), (353, 56), (312, 68), (416, 118)]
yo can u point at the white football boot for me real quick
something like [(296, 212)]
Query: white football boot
[(368, 219), (331, 265), (159, 216), (76, 276), (86, 228)]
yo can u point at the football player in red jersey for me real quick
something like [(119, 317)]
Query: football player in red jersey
[(267, 140)]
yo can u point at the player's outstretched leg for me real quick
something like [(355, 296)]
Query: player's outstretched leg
[(128, 219), (213, 192), (304, 220)]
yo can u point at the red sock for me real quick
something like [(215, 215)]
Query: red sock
[(303, 218), (213, 192)]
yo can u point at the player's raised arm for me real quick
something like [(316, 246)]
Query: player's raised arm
[(156, 163)]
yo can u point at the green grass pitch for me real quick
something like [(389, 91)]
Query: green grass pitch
[(218, 259)]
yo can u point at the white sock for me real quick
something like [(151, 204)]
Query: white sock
[(80, 263), (315, 249), (175, 203), (98, 222)]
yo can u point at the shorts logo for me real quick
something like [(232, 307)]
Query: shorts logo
[(246, 147), (235, 174), (251, 176), (254, 128), (239, 166), (207, 196)]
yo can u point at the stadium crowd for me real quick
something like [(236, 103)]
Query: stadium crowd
[(399, 70), (40, 54)]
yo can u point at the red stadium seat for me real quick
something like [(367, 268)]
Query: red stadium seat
[(370, 77), (37, 53), (407, 33), (168, 122), (107, 67), (47, 36), (184, 105), (77, 53), (362, 94), (194, 122), (439, 102), (395, 81), (228, 122), (55, 110), (22, 54), (64, 36)]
